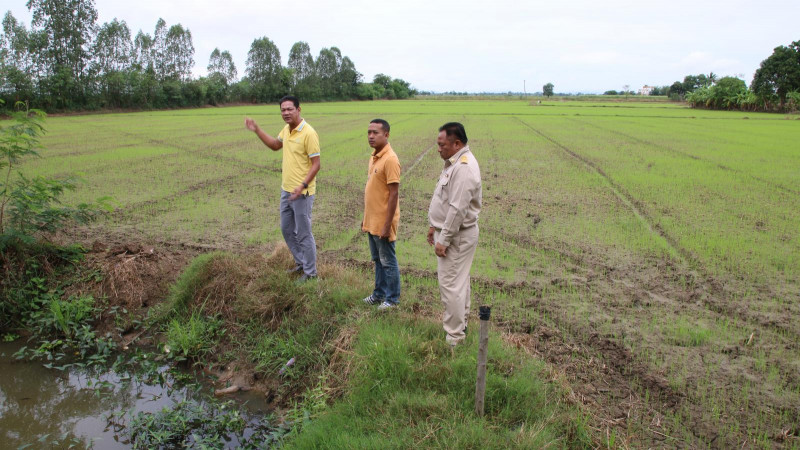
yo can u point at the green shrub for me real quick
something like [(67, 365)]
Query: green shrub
[(31, 205), (69, 315), (31, 277)]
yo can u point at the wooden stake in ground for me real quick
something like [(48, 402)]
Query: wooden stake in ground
[(483, 350)]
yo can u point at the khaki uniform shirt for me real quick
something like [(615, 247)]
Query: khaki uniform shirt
[(384, 169), (456, 201)]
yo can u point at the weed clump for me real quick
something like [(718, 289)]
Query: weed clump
[(194, 338), (237, 288)]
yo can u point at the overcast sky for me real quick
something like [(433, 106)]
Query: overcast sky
[(578, 45)]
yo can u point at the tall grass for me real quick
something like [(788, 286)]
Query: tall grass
[(408, 390)]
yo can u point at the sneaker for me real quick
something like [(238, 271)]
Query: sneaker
[(372, 300), (305, 277), (297, 269), (386, 305)]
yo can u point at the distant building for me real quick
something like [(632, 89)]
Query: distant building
[(646, 90)]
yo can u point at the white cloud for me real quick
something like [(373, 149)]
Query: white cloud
[(592, 58)]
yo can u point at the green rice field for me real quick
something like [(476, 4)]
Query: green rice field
[(647, 252)]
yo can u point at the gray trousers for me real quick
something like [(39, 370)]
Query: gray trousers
[(296, 229)]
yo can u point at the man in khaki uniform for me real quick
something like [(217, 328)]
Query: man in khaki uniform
[(453, 217)]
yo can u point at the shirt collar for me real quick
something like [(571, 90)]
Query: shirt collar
[(452, 160), (300, 127), (383, 151)]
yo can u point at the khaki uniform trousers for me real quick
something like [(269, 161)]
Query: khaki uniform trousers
[(454, 288)]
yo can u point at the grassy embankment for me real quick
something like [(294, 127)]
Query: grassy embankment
[(366, 379)]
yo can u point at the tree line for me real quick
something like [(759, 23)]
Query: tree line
[(66, 61), (775, 86)]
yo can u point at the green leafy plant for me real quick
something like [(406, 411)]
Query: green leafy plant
[(190, 423), (10, 337), (62, 327), (31, 204), (68, 315), (25, 288)]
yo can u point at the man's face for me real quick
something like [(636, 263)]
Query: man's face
[(448, 146), (290, 113), (376, 136)]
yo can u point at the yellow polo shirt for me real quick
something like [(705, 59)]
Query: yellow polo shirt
[(299, 146), (384, 169)]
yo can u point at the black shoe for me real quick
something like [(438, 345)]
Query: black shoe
[(305, 277), (297, 269)]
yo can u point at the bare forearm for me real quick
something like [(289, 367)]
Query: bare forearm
[(315, 166), (268, 140)]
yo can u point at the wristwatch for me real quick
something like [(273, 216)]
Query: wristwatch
[(305, 185)]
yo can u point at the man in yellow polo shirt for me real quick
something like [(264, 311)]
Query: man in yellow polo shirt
[(382, 214), (300, 144)]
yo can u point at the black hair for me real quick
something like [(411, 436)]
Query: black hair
[(384, 124), (290, 98), (455, 130)]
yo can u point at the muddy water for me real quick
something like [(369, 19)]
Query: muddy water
[(39, 406)]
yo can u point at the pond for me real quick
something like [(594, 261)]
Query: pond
[(41, 407)]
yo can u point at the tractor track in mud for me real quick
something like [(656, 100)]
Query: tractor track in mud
[(622, 195), (124, 212), (417, 160), (715, 301)]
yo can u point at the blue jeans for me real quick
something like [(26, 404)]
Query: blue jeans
[(387, 272), (296, 229)]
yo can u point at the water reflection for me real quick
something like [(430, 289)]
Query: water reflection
[(39, 403)]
